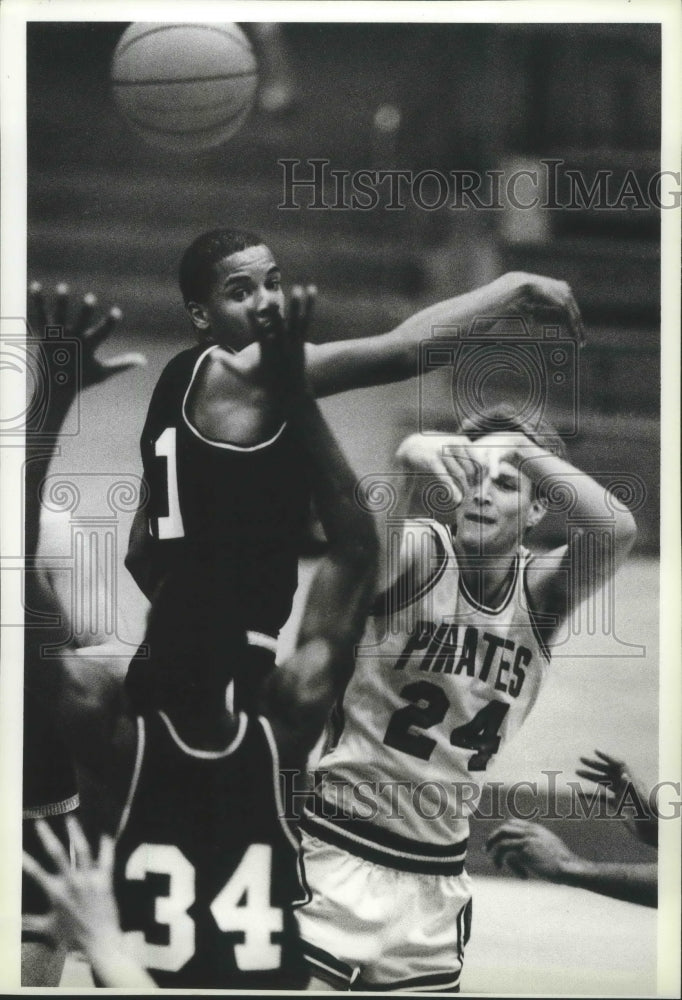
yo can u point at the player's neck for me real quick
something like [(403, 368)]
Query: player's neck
[(486, 577)]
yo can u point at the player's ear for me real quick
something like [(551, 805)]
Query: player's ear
[(199, 316)]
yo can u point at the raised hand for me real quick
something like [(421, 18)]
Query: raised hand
[(282, 346), (90, 334), (622, 791), (529, 848), (81, 896), (83, 911), (542, 299), (445, 457)]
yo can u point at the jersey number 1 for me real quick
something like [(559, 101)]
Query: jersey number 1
[(170, 525)]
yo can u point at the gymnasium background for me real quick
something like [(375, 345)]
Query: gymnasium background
[(110, 215)]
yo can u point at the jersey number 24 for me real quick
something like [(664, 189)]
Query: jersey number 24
[(428, 707)]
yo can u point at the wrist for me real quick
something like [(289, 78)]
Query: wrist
[(573, 870)]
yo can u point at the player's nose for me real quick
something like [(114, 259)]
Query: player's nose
[(266, 300)]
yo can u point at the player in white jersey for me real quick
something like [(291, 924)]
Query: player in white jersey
[(448, 669)]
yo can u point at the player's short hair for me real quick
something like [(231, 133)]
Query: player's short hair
[(198, 264), (500, 419)]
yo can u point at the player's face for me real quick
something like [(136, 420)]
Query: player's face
[(247, 286), (499, 505)]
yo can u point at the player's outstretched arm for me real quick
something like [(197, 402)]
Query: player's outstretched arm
[(623, 793), (89, 334), (83, 911), (300, 693), (80, 687), (528, 848), (391, 357)]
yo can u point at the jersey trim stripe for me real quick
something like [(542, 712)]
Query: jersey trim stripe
[(261, 639), (437, 982), (207, 754), (210, 441), (352, 837), (139, 754), (272, 743), (398, 597), (327, 967), (52, 808), (534, 617), (479, 605)]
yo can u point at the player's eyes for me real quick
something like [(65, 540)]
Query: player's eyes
[(275, 284), (239, 294)]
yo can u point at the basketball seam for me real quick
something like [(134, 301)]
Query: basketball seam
[(185, 79), (159, 130), (185, 24)]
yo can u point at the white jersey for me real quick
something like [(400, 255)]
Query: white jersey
[(440, 682)]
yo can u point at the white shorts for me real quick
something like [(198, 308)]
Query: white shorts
[(367, 926)]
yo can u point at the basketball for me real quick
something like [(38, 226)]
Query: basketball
[(184, 87)]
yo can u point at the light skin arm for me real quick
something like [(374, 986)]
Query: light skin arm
[(555, 585), (528, 848), (394, 356), (300, 693), (83, 911)]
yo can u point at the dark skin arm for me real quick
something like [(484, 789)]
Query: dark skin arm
[(299, 694), (360, 363), (81, 688)]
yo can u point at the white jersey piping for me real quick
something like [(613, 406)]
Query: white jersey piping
[(210, 441)]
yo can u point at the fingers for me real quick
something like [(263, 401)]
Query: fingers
[(36, 871), (53, 845), (610, 760), (98, 333), (61, 304), (295, 309), (79, 843), (300, 310), (87, 312), (120, 363), (34, 923), (308, 305), (511, 830), (105, 859), (516, 865), (37, 314)]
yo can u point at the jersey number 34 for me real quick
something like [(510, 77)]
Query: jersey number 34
[(243, 904)]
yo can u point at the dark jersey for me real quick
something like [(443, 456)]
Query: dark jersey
[(226, 523), (206, 872)]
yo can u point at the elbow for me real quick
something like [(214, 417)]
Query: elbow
[(626, 533)]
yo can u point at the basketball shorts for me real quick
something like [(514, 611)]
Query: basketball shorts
[(370, 927), (49, 777), (33, 899)]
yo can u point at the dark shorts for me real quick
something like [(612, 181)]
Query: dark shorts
[(49, 778)]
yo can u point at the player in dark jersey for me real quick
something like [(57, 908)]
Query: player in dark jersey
[(206, 869), (49, 781), (227, 499)]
